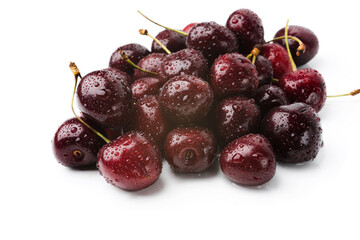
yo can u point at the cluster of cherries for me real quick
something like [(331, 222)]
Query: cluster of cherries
[(206, 90)]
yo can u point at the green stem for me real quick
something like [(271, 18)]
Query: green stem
[(145, 32), (293, 65)]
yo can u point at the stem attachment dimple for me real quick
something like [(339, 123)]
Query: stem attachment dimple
[(171, 29), (126, 59), (77, 74), (145, 32), (293, 65)]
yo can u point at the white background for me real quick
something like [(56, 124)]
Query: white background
[(40, 199)]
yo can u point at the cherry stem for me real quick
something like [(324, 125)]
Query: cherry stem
[(126, 58), (145, 32), (171, 29), (76, 73), (353, 93), (254, 52), (276, 80), (293, 65), (300, 50)]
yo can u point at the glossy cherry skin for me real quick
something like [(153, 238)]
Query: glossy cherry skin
[(148, 118), (134, 51), (186, 61), (305, 85), (307, 36), (233, 74), (130, 162), (189, 27), (212, 40), (249, 160), (75, 145), (190, 149), (278, 57), (264, 70), (248, 29), (151, 63), (104, 97), (269, 96), (236, 117), (294, 131), (186, 99), (145, 86), (172, 40)]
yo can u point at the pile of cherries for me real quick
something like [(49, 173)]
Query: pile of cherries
[(215, 92)]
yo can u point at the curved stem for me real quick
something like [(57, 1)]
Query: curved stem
[(171, 29), (300, 50), (126, 58), (145, 32), (76, 73), (353, 93), (293, 65)]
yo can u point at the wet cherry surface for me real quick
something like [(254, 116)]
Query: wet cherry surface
[(145, 86), (172, 40), (278, 57), (264, 70), (151, 63), (130, 162), (248, 160), (270, 96)]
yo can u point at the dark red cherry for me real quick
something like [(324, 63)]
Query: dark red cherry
[(248, 160), (307, 36), (248, 29), (236, 117), (294, 131), (190, 149), (121, 74), (186, 61), (145, 86), (134, 51), (278, 57), (233, 74), (186, 99), (305, 85), (172, 41), (148, 118), (189, 27), (130, 162), (264, 70), (269, 96), (104, 96), (75, 145), (152, 63), (212, 40)]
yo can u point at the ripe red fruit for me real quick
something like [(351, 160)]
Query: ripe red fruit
[(145, 86), (269, 96), (130, 162), (75, 145), (233, 74), (172, 41), (190, 149), (278, 57), (248, 29), (151, 63), (305, 85), (248, 160)]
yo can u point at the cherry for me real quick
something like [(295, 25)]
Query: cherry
[(130, 162), (278, 57), (248, 29), (75, 145), (233, 74), (309, 39), (186, 61), (186, 99), (134, 51), (248, 160), (172, 41), (145, 86), (189, 27), (264, 70), (148, 118), (236, 117), (270, 96), (190, 149), (104, 97), (294, 131), (212, 40), (152, 63), (305, 85)]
